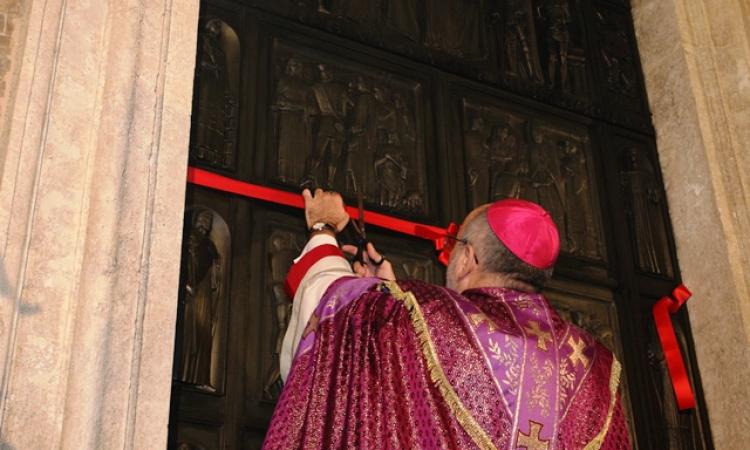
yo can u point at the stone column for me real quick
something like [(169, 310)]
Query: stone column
[(695, 56), (13, 19), (91, 200)]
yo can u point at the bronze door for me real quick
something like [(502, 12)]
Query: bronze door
[(428, 108)]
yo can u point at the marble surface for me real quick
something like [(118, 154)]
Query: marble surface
[(13, 19), (695, 61), (91, 200)]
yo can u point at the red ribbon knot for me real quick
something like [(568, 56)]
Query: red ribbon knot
[(672, 355)]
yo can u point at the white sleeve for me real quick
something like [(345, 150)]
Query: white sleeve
[(312, 287)]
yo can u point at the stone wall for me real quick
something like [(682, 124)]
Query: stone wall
[(91, 204), (695, 56), (13, 19)]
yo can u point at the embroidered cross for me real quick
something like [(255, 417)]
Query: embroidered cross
[(479, 318), (532, 441), (312, 325), (541, 335), (577, 355)]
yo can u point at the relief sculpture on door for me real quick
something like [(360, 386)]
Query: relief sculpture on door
[(512, 155), (342, 128), (215, 108), (206, 258)]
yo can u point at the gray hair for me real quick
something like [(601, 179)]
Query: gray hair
[(495, 258)]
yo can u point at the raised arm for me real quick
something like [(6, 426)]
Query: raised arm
[(320, 264)]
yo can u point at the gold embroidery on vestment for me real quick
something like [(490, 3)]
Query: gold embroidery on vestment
[(437, 375), (532, 441), (614, 382), (541, 336), (578, 346), (312, 325), (539, 396), (481, 318)]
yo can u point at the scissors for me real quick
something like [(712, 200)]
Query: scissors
[(360, 238)]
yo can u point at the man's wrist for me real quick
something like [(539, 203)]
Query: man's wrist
[(320, 226), (325, 232)]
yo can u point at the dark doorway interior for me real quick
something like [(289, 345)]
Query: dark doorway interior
[(428, 108)]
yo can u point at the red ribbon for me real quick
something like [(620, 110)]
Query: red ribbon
[(444, 241), (675, 364), (212, 180)]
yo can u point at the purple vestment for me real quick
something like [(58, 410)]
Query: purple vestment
[(411, 365)]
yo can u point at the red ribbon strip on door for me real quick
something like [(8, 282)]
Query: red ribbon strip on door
[(672, 354), (438, 235)]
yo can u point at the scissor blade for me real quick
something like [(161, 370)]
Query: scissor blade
[(361, 219)]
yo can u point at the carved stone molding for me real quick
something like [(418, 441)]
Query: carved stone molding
[(695, 64), (95, 166)]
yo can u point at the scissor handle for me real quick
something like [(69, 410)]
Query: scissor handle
[(361, 245)]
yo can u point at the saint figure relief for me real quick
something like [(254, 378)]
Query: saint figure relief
[(455, 27), (646, 213), (556, 18), (402, 16), (204, 295), (215, 123), (391, 169), (282, 251), (579, 221), (360, 156), (514, 29), (478, 160), (509, 166), (292, 108), (333, 105)]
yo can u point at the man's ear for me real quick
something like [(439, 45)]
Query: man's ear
[(467, 262), (471, 258)]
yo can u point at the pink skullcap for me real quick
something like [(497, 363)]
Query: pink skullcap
[(527, 230)]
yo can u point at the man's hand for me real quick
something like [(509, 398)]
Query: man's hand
[(383, 270), (325, 207)]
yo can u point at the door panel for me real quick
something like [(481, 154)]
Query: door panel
[(427, 108)]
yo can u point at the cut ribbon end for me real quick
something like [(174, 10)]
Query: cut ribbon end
[(662, 311)]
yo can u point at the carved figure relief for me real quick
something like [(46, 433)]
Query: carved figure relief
[(361, 149), (645, 210), (214, 138), (391, 169), (508, 165), (546, 177), (594, 320), (349, 130), (414, 270), (407, 267), (333, 104), (292, 112), (616, 56), (681, 430), (579, 224), (206, 257), (455, 27), (283, 247), (514, 27), (511, 156), (563, 46), (401, 15), (555, 16), (477, 153)]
